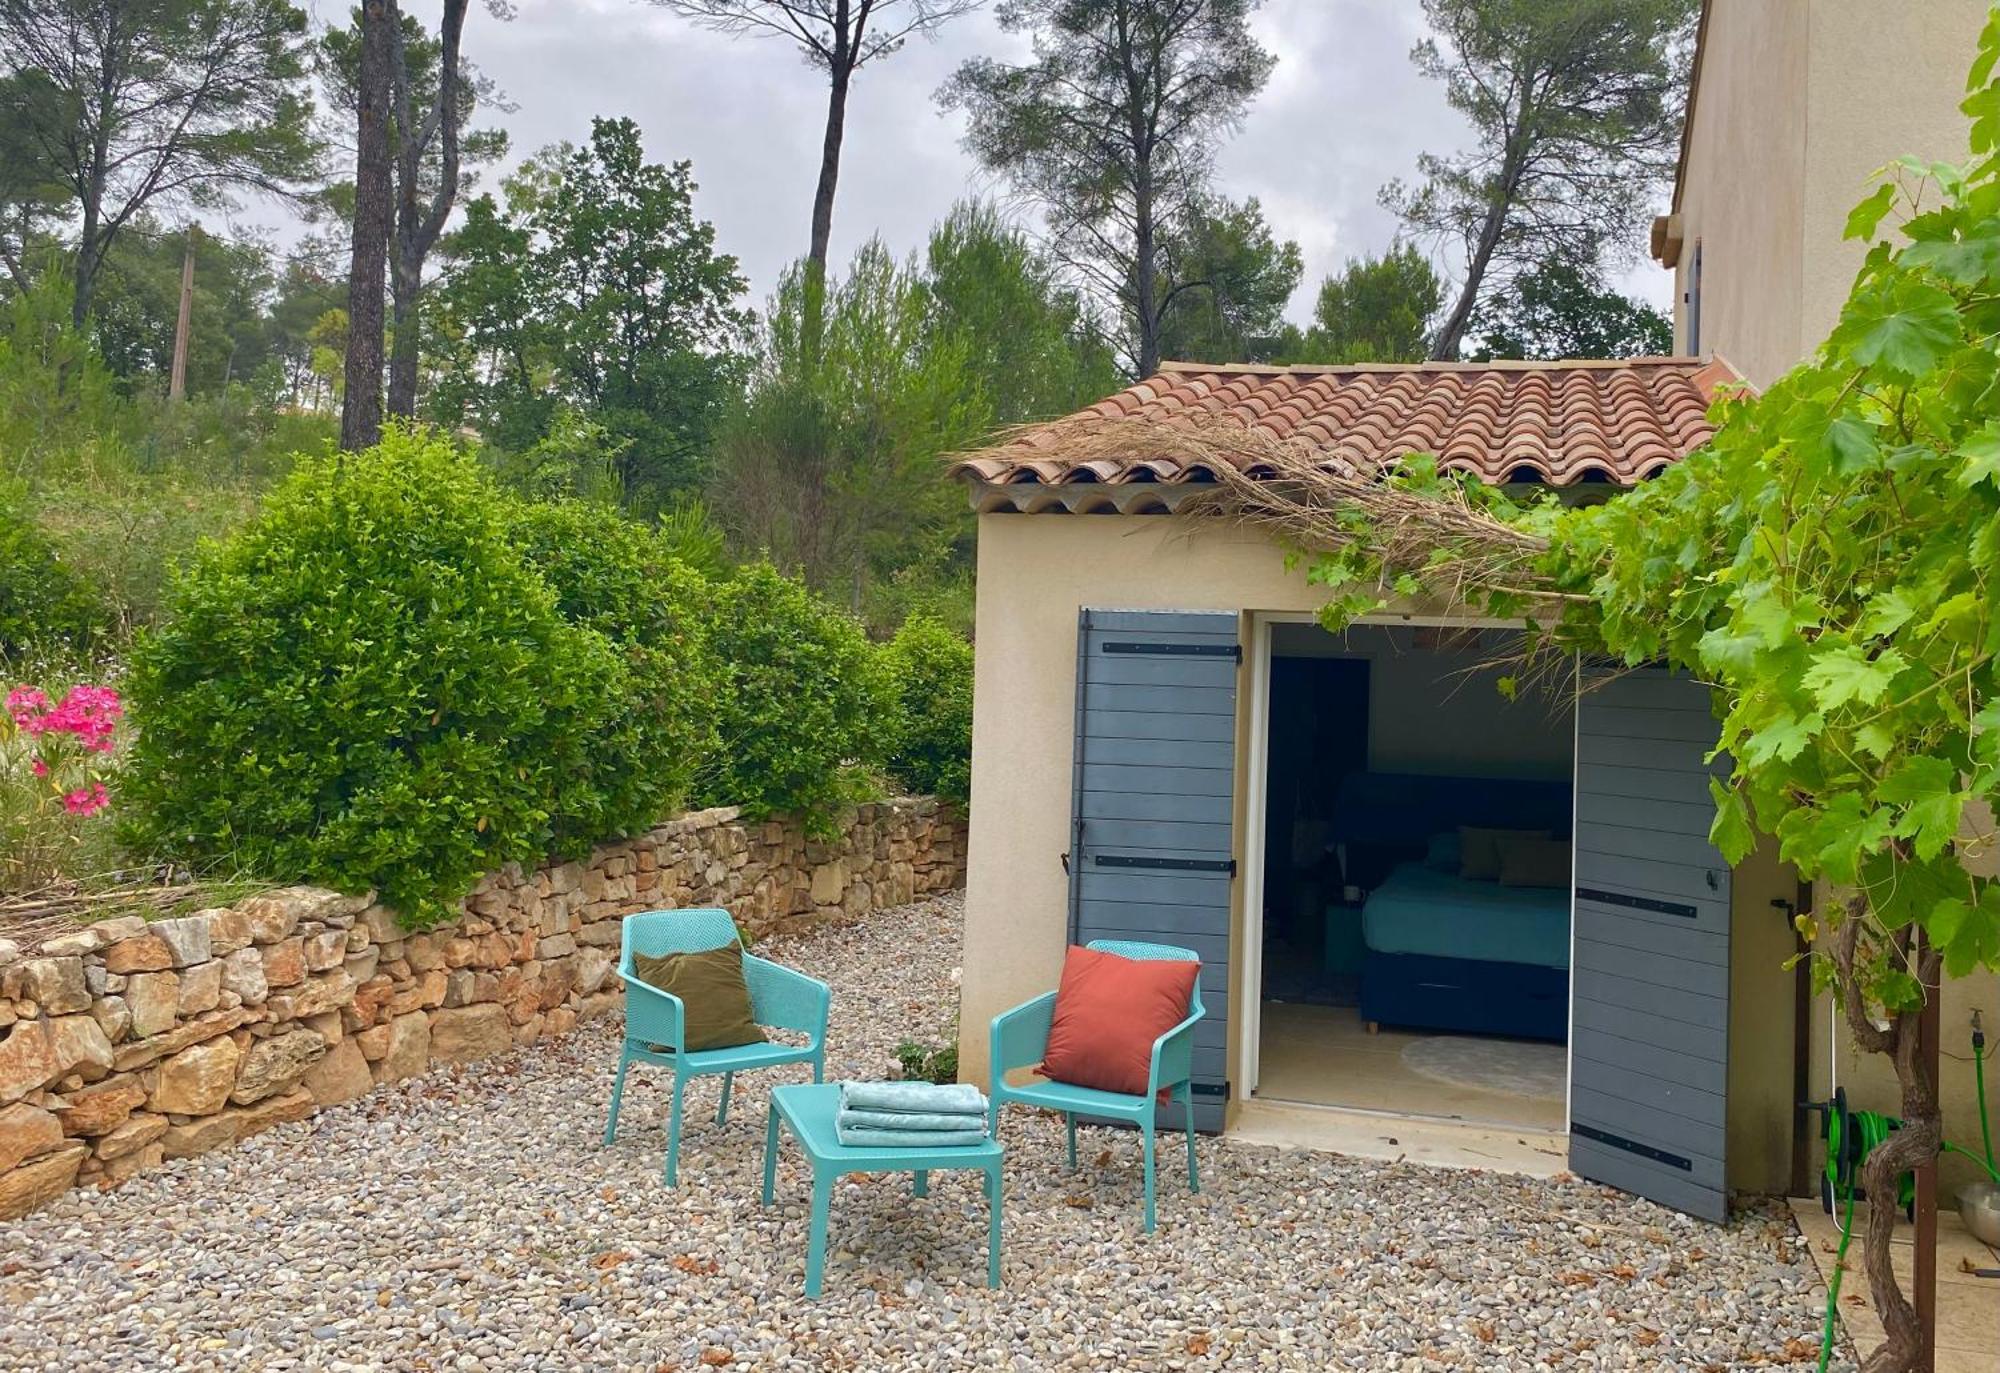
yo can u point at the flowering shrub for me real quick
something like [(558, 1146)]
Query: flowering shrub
[(53, 758)]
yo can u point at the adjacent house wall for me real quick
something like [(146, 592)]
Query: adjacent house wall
[(1035, 573), (1742, 195), (1882, 82), (1797, 104)]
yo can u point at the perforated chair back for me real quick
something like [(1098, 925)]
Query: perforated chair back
[(663, 932)]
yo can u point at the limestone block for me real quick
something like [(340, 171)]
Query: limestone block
[(154, 1000), (136, 1133), (340, 1076), (187, 938), (325, 950), (101, 1109), (27, 1132), (285, 962), (228, 931), (197, 1080), (243, 974), (56, 984), (144, 953), (40, 1180), (201, 988), (466, 1033), (406, 1048), (276, 1064)]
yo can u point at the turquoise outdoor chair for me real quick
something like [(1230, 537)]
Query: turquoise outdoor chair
[(1021, 1039), (779, 998)]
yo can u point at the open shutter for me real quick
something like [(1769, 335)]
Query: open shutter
[(1151, 855), (1649, 1032)]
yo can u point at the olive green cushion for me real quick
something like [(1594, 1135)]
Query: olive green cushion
[(715, 1000)]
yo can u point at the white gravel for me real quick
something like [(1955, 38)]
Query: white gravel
[(470, 1220)]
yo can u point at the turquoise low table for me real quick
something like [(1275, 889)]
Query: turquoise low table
[(809, 1111)]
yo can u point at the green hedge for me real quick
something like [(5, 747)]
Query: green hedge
[(368, 686), (804, 712), (930, 673), (615, 576), (43, 602)]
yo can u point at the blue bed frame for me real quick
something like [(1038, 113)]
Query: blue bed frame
[(1473, 996)]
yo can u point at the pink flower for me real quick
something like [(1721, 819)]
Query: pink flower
[(25, 704), (39, 768), (87, 800)]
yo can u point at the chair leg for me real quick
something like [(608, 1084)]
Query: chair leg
[(1147, 1126), (993, 1226), (674, 1132), (922, 1186), (1069, 1125), (819, 1066), (722, 1109), (1187, 1105), (617, 1097), (822, 1200), (770, 1155)]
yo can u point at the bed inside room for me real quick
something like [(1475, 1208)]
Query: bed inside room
[(1416, 876)]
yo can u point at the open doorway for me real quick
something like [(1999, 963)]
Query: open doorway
[(1416, 877)]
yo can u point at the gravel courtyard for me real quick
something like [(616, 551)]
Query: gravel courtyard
[(470, 1220)]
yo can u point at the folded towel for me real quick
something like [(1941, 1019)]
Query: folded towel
[(912, 1120), (924, 1097), (864, 1137)]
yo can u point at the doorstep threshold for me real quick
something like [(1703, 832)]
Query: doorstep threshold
[(1439, 1142)]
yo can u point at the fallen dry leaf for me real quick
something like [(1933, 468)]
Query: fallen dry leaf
[(1624, 1270), (1801, 1350), (688, 1263), (1079, 1201), (1198, 1344), (716, 1358), (1486, 1331), (1576, 1277), (1104, 1159), (608, 1194), (610, 1258), (1646, 1337)]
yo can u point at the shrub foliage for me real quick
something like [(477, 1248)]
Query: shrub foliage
[(930, 672), (368, 686), (43, 602), (804, 709), (615, 576)]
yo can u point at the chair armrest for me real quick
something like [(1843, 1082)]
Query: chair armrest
[(652, 1015), (1173, 1056), (1021, 1036), (787, 999)]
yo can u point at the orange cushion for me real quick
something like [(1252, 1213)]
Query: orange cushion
[(1109, 1010)]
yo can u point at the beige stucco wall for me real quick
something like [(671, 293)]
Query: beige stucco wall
[(1743, 194), (1035, 573), (1798, 103), (1882, 82)]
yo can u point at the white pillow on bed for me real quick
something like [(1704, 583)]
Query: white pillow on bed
[(1445, 852)]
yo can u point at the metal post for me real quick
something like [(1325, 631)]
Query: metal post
[(1924, 1260), (177, 379)]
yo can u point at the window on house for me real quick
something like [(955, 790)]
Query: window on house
[(1691, 300)]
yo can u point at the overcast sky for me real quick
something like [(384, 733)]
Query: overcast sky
[(1344, 112)]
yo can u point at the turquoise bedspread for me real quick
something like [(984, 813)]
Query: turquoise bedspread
[(1423, 911)]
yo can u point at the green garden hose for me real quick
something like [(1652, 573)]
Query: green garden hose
[(1833, 1287)]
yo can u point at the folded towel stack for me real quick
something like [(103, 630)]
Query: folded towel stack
[(910, 1115)]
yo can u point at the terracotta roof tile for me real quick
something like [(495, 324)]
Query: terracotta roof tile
[(1557, 422)]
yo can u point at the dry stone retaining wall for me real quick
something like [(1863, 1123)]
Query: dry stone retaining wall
[(127, 1043)]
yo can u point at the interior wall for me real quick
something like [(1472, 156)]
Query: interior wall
[(1437, 709)]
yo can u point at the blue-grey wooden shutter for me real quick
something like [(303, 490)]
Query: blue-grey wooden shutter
[(1649, 1033), (1151, 854)]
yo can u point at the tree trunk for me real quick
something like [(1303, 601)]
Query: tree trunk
[(822, 212), (418, 226), (1913, 1146), (361, 406), (404, 285), (1145, 280), (1451, 334)]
